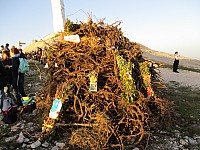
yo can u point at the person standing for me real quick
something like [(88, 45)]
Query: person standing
[(0, 55), (7, 47), (176, 62), (21, 77), (7, 62), (15, 74), (44, 56), (2, 77), (2, 49), (39, 54)]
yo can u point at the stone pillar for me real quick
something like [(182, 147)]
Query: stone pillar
[(58, 15)]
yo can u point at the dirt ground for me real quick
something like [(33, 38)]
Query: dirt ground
[(183, 89)]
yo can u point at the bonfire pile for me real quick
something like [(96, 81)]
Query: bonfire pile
[(105, 87)]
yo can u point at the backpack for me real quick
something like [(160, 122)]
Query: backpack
[(29, 104), (8, 108), (23, 65)]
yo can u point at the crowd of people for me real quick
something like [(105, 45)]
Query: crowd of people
[(39, 55), (9, 75)]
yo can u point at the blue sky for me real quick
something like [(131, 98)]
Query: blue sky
[(162, 25)]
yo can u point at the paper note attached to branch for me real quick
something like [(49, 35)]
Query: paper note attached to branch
[(72, 38)]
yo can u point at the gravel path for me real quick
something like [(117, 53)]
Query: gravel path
[(184, 77)]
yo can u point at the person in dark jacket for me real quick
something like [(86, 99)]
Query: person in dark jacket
[(2, 76), (7, 47), (15, 75), (7, 62), (176, 62)]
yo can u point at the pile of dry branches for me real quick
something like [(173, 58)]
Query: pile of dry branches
[(123, 108)]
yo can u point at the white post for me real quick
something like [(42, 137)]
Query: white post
[(58, 15)]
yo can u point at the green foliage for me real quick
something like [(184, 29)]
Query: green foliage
[(50, 53), (144, 68), (125, 73), (70, 26), (145, 73), (68, 21)]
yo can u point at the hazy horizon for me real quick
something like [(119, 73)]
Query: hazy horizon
[(165, 26)]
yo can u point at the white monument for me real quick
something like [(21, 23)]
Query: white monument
[(58, 15)]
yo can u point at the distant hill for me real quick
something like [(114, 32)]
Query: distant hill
[(146, 49), (41, 43), (50, 37)]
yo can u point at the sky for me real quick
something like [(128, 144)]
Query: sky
[(162, 25)]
